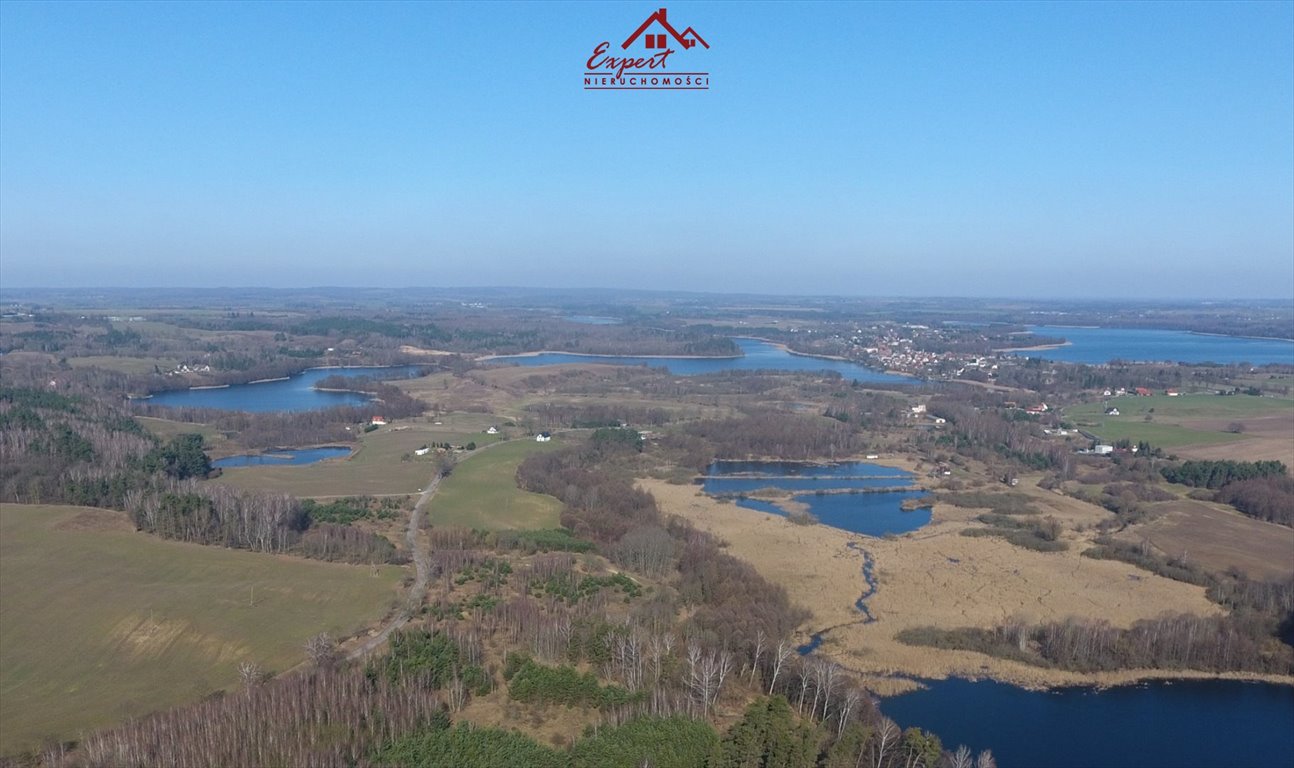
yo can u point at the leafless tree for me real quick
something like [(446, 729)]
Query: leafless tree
[(886, 738), (962, 758), (784, 649), (321, 649), (250, 673), (985, 760), (760, 638)]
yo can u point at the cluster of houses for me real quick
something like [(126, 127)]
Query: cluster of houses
[(1138, 391)]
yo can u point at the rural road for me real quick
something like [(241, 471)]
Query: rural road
[(421, 563), (422, 570)]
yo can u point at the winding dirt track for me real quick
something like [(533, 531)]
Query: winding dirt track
[(421, 563), (422, 570)]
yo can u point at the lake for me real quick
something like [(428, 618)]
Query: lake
[(1177, 723), (868, 511), (594, 320), (755, 355), (296, 393), (283, 457), (1094, 346)]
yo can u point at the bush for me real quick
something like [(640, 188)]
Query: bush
[(533, 682)]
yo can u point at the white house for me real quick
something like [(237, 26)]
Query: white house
[(492, 431), (543, 437), (421, 451)]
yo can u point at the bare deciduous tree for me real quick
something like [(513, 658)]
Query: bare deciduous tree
[(962, 758), (322, 650), (886, 738)]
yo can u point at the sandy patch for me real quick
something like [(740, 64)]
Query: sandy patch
[(409, 349), (936, 577)]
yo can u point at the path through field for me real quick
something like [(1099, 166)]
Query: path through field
[(422, 566)]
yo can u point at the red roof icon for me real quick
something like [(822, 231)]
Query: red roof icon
[(688, 38)]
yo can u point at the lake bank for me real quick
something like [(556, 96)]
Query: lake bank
[(289, 394), (755, 356), (1098, 346), (937, 577)]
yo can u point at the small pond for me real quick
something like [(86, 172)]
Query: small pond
[(854, 496), (283, 457)]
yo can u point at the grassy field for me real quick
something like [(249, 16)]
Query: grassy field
[(166, 429), (1188, 420), (102, 623), (482, 492), (136, 365), (377, 467)]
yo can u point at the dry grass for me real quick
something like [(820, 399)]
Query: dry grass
[(936, 577)]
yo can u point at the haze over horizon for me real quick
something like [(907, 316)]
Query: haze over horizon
[(992, 150)]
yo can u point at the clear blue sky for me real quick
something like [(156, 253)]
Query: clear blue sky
[(1004, 149)]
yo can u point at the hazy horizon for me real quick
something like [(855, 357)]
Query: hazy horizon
[(1079, 151)]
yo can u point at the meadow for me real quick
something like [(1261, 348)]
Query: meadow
[(383, 464), (1175, 422), (482, 492), (102, 623)]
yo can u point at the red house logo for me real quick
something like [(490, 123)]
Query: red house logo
[(654, 39), (646, 66)]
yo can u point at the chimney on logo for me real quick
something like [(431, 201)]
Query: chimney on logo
[(656, 39)]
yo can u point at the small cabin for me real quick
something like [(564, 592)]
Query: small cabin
[(543, 437)]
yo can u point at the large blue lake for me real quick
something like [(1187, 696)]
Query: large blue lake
[(292, 394), (1101, 345), (1182, 723), (868, 511), (283, 457), (755, 355)]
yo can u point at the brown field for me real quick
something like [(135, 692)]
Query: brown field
[(936, 577), (1218, 539), (1265, 437)]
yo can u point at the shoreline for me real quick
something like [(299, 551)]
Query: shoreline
[(266, 381), (1233, 336), (1036, 348), (489, 358), (923, 579), (779, 345)]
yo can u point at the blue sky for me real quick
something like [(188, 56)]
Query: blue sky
[(1005, 149)]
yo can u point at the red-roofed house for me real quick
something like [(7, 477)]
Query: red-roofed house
[(655, 38)]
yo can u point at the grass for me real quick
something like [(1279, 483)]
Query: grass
[(102, 623), (482, 492), (377, 467), (1167, 428), (168, 428), (127, 365), (1186, 407)]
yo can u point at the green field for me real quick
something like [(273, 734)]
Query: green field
[(101, 623), (377, 467), (129, 365), (482, 492), (1170, 416)]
